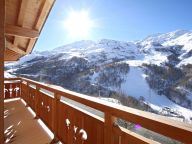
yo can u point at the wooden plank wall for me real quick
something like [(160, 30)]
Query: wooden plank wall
[(2, 48)]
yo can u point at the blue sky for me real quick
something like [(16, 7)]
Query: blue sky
[(124, 20)]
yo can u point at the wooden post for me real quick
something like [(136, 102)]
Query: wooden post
[(2, 49), (108, 128)]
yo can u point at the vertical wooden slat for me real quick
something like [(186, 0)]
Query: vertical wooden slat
[(32, 98), (62, 126), (50, 112), (23, 91), (19, 92), (79, 124), (116, 139), (99, 134), (71, 133), (13, 92), (89, 127), (55, 115), (7, 93), (2, 49), (36, 102), (40, 107), (124, 139), (27, 95), (43, 108)]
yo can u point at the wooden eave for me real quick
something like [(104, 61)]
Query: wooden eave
[(24, 20)]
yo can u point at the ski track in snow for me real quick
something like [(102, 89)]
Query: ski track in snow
[(135, 85)]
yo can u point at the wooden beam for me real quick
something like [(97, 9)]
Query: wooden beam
[(30, 45), (21, 16), (21, 31), (22, 11), (14, 48), (44, 12), (2, 49)]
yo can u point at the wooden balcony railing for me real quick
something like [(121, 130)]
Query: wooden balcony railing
[(74, 125)]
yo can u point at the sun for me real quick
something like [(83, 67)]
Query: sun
[(78, 24)]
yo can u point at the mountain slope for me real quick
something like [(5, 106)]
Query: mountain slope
[(157, 70)]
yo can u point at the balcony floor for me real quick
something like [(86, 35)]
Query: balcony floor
[(20, 127)]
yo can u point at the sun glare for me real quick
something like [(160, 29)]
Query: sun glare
[(78, 24)]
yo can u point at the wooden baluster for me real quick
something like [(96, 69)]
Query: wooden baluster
[(108, 129), (55, 117)]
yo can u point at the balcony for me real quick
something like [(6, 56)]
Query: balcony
[(71, 117), (76, 118), (20, 125)]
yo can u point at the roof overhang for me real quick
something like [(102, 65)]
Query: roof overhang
[(23, 24)]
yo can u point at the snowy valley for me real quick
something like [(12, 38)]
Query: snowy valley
[(156, 72)]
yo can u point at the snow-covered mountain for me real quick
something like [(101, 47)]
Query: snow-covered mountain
[(156, 70), (180, 38)]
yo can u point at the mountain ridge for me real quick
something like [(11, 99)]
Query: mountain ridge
[(157, 69)]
